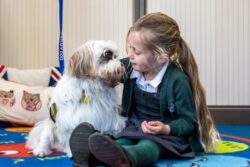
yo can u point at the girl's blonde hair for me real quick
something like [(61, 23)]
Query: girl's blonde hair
[(163, 35)]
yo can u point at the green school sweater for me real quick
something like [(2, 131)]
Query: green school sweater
[(177, 106)]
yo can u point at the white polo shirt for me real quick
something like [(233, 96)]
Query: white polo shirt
[(152, 85)]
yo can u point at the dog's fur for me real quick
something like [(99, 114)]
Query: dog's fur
[(90, 72)]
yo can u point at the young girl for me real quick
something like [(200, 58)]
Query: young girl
[(162, 98)]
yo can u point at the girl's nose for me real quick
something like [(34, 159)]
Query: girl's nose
[(130, 55)]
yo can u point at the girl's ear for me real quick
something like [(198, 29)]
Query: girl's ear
[(164, 58)]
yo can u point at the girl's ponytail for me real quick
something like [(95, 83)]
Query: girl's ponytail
[(185, 60)]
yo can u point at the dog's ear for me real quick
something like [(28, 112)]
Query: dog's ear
[(81, 63)]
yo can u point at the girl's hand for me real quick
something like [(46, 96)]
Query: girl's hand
[(155, 127)]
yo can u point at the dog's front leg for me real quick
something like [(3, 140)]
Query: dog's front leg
[(46, 138), (63, 136), (67, 149)]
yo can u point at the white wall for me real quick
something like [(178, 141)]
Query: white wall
[(96, 19), (218, 32), (29, 29), (28, 33)]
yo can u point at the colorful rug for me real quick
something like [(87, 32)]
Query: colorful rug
[(233, 151)]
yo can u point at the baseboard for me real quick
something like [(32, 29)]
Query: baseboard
[(230, 115)]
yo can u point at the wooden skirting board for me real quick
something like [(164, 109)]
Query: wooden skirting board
[(230, 115)]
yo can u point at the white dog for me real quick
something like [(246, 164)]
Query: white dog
[(84, 94)]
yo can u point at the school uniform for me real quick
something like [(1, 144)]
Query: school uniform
[(167, 98)]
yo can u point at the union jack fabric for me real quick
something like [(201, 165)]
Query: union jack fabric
[(55, 76), (3, 72)]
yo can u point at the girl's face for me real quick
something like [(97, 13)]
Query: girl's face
[(140, 57)]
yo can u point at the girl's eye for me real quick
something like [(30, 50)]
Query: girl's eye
[(134, 50), (137, 52)]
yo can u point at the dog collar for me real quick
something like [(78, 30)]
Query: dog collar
[(53, 112), (53, 109), (84, 98)]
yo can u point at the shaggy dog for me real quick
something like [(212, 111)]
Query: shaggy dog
[(85, 93)]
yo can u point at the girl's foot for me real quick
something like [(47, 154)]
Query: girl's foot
[(108, 151), (79, 145)]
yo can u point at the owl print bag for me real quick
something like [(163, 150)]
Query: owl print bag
[(23, 104)]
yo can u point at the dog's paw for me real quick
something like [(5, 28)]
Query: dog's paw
[(69, 154), (40, 152), (67, 150)]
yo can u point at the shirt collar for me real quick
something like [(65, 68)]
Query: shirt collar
[(156, 81)]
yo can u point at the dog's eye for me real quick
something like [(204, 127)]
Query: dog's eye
[(108, 54)]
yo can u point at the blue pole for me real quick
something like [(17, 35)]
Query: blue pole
[(60, 47)]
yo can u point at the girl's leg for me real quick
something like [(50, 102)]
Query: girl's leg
[(124, 142), (144, 153)]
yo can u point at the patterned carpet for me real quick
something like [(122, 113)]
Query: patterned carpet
[(233, 151)]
